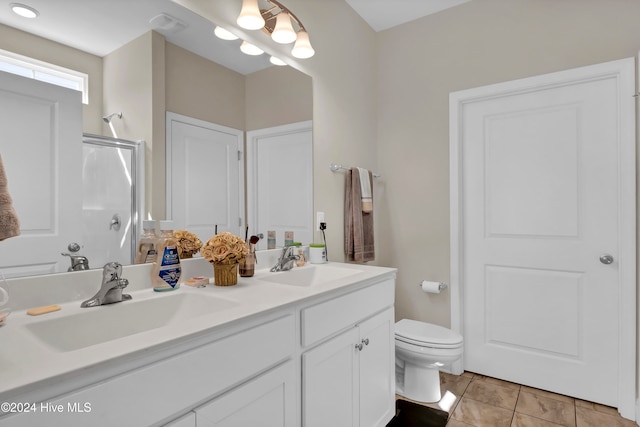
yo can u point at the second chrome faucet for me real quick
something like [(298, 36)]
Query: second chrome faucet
[(286, 260), (111, 288)]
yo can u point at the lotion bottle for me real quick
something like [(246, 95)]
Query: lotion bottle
[(147, 247), (166, 271)]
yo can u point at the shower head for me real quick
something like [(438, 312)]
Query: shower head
[(107, 119)]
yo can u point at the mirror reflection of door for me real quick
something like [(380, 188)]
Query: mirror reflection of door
[(41, 148), (204, 177), (280, 182)]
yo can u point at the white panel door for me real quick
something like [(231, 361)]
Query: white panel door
[(280, 182), (41, 148), (546, 188), (205, 187)]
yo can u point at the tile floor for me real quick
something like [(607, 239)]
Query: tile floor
[(474, 400)]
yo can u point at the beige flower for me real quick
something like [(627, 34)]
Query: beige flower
[(188, 243), (225, 248)]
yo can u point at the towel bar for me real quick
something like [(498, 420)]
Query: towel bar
[(335, 168)]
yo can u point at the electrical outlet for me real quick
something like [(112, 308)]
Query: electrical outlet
[(319, 219)]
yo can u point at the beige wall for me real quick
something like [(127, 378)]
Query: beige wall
[(199, 88), (26, 44), (420, 63), (277, 96), (134, 85)]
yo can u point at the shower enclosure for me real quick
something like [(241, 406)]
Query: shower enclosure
[(112, 189)]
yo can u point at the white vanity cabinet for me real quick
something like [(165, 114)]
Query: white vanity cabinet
[(348, 379), (304, 356)]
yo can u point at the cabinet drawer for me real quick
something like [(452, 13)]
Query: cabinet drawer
[(326, 318)]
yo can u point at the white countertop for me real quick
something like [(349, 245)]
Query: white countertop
[(27, 363)]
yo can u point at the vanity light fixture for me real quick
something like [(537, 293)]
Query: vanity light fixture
[(278, 21), (24, 10), (250, 49), (277, 61), (302, 49), (283, 32), (250, 16), (223, 34)]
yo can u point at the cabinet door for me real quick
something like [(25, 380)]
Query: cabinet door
[(377, 370), (329, 383), (266, 401)]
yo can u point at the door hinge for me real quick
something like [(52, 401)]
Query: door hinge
[(239, 222), (239, 155)]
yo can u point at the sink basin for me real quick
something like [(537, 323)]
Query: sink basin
[(310, 275), (96, 325)]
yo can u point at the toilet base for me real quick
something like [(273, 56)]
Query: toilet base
[(421, 384)]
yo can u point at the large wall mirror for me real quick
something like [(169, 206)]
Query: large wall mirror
[(201, 77)]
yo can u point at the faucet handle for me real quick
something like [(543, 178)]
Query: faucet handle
[(111, 271)]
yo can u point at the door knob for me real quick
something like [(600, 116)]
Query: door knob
[(606, 259)]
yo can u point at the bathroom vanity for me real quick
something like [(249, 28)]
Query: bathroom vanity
[(313, 346)]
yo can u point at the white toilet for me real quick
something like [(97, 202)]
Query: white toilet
[(421, 349)]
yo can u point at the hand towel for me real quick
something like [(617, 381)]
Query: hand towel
[(9, 224), (358, 225), (365, 190)]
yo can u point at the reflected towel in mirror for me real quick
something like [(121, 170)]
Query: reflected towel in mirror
[(9, 224), (365, 190)]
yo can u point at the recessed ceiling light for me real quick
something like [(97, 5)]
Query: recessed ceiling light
[(24, 10)]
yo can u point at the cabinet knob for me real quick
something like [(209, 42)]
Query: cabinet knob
[(359, 347), (365, 341)]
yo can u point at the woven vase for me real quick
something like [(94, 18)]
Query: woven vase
[(225, 274)]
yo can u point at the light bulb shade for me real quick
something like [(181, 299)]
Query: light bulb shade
[(277, 61), (250, 17), (283, 32), (223, 34), (250, 49), (302, 49)]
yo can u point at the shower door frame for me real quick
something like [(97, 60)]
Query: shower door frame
[(137, 174)]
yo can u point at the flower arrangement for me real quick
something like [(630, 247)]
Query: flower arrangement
[(188, 243), (224, 248)]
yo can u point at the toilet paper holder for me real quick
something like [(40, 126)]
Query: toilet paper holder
[(441, 286)]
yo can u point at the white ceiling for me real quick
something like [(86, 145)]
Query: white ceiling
[(102, 26), (384, 14)]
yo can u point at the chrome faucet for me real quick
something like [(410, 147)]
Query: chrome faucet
[(78, 262), (111, 288), (285, 262)]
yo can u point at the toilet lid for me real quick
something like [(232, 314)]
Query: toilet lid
[(421, 333)]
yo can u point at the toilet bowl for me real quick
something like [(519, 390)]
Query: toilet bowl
[(421, 349)]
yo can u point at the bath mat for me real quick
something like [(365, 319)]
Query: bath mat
[(409, 414)]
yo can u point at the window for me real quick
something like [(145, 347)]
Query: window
[(32, 68)]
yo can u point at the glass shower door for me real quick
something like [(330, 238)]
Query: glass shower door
[(109, 208)]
